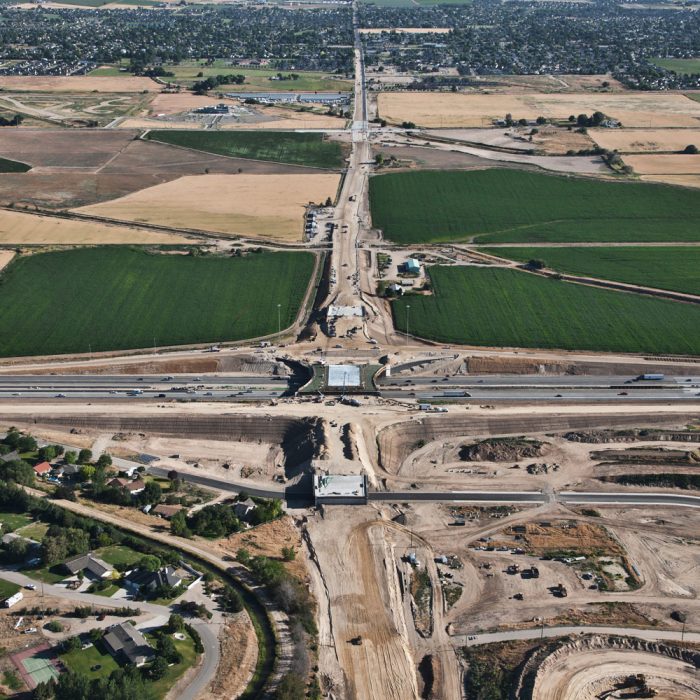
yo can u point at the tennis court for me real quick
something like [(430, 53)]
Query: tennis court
[(36, 665)]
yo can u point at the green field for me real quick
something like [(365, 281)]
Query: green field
[(159, 689), (514, 206), (509, 308), (13, 521), (7, 589), (279, 146), (677, 268), (34, 531), (13, 166), (187, 73), (694, 96), (682, 66), (118, 298), (82, 661), (117, 554)]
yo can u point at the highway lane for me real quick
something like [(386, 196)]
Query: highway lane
[(626, 381)]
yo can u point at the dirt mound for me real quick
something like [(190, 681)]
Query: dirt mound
[(503, 450), (598, 437)]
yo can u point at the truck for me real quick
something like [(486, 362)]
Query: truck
[(650, 378), (134, 392), (456, 393)]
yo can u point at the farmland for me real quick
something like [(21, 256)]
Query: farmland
[(13, 166), (443, 110), (660, 267), (645, 140), (508, 308), (270, 206), (686, 66), (105, 299), (506, 206), (291, 147)]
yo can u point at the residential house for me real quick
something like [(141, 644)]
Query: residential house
[(243, 509), (134, 486), (10, 457), (141, 581), (66, 471), (125, 642), (90, 564), (42, 469), (165, 511)]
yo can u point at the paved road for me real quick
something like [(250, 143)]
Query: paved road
[(539, 632), (133, 387)]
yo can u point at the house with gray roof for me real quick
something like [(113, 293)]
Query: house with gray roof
[(90, 564), (125, 642)]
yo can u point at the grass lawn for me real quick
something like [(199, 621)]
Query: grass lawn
[(7, 589), (13, 166), (677, 269), (83, 660), (682, 66), (45, 574), (694, 96), (107, 592), (160, 688), (13, 521), (34, 531), (118, 554), (504, 206), (119, 298), (509, 308), (282, 147)]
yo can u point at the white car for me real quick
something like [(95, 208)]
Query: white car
[(31, 586)]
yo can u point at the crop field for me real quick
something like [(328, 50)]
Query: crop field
[(450, 110), (76, 83), (19, 228), (270, 206), (513, 206), (13, 166), (678, 180), (677, 164), (291, 147), (683, 66), (645, 140), (509, 308), (677, 268), (120, 298)]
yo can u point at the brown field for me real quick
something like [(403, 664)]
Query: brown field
[(665, 165), (457, 109), (249, 205), (175, 102), (680, 180), (407, 30), (18, 228), (77, 83), (6, 257), (644, 140)]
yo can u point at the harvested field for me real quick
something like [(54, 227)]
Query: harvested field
[(508, 308), (645, 140), (284, 147), (84, 148), (679, 164), (418, 207), (77, 83), (6, 257), (70, 301), (435, 110), (660, 267), (168, 103), (270, 206), (32, 229)]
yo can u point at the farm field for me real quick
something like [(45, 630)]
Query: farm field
[(680, 164), (509, 308), (678, 180), (18, 228), (270, 206), (76, 83), (291, 147), (645, 140), (256, 79), (13, 166), (686, 66), (443, 110), (677, 269), (114, 299), (504, 206)]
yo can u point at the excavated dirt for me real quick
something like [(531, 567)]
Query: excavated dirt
[(597, 437), (502, 450)]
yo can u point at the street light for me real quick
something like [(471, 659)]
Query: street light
[(408, 306)]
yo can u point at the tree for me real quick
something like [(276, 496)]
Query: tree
[(84, 456), (167, 650), (158, 668), (290, 687), (289, 553), (70, 457), (152, 493), (17, 471), (535, 264), (691, 149), (149, 563), (104, 461), (178, 525), (87, 472), (45, 690), (47, 453), (176, 623), (243, 556), (173, 475), (71, 644), (72, 686), (16, 551), (230, 600)]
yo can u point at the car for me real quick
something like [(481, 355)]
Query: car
[(168, 378), (31, 586), (60, 396), (161, 396), (17, 393), (622, 393), (101, 617)]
